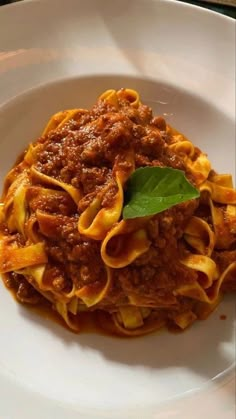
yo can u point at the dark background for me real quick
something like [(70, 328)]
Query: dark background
[(226, 10)]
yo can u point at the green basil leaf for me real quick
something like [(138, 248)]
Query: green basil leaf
[(151, 190)]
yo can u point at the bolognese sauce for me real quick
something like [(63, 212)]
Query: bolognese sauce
[(72, 170)]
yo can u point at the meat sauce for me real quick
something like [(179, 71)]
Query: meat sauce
[(83, 154)]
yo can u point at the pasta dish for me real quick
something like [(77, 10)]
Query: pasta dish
[(114, 212)]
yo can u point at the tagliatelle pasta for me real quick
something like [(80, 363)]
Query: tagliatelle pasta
[(64, 240), (96, 220)]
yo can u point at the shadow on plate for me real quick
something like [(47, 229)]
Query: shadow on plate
[(205, 348)]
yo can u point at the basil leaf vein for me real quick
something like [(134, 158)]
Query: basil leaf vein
[(151, 190)]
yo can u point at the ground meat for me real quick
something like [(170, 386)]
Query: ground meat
[(87, 153), (224, 258), (108, 197), (93, 176), (26, 294), (84, 156), (171, 159), (152, 143), (55, 277), (85, 251), (159, 122), (85, 274), (23, 290), (50, 201)]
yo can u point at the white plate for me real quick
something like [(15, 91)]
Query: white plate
[(57, 54)]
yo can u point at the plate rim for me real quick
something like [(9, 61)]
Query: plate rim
[(181, 3), (223, 374)]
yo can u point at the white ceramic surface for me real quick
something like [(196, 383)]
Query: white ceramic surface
[(57, 54)]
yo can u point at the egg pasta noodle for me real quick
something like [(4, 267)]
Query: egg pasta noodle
[(64, 240)]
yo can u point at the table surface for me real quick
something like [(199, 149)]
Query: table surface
[(220, 8), (226, 10)]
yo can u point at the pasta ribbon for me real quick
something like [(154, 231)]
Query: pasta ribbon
[(15, 204), (38, 275), (48, 224), (95, 221), (130, 95), (218, 193), (203, 309), (222, 180), (47, 242), (229, 273), (149, 301), (2, 215), (94, 293), (34, 275), (48, 180), (200, 168), (185, 147), (130, 316), (15, 176), (175, 135), (31, 154), (124, 243), (74, 306), (231, 215), (224, 223), (136, 321), (220, 189), (62, 309), (34, 272), (31, 229), (200, 236), (205, 292), (17, 218), (185, 319), (15, 258), (196, 292), (59, 119), (64, 296), (205, 266), (110, 96)]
